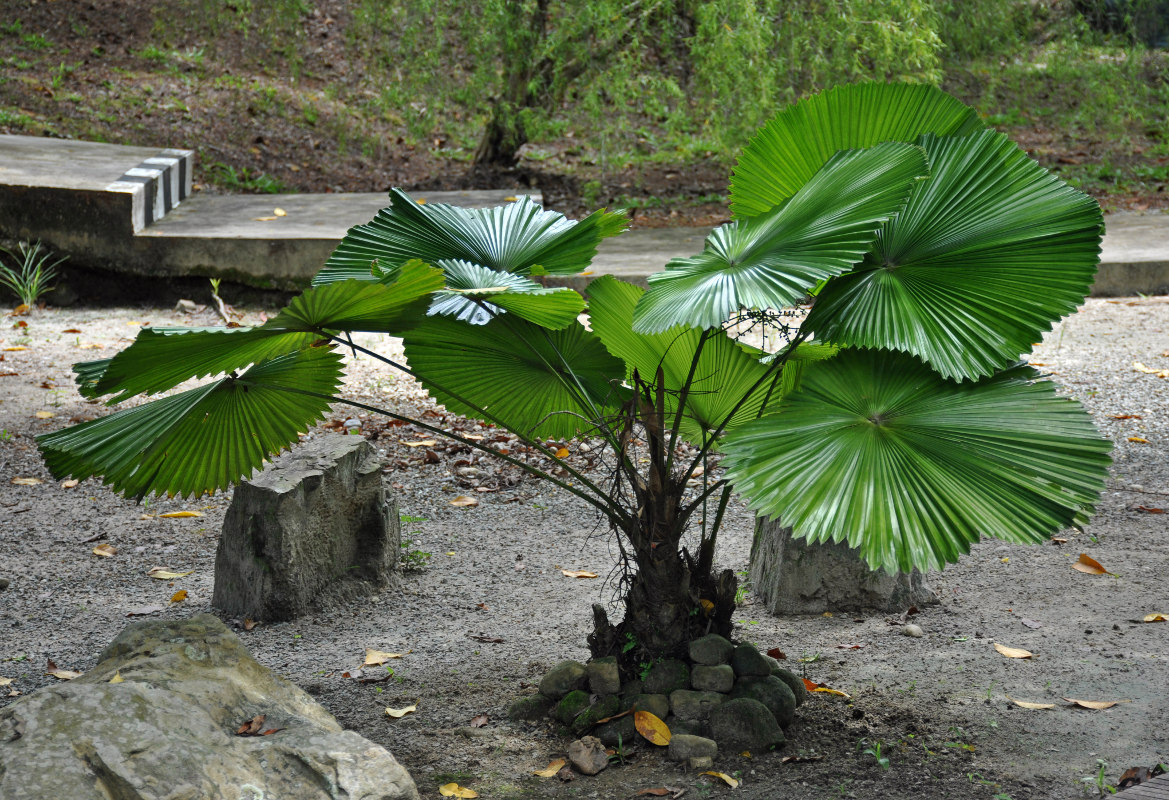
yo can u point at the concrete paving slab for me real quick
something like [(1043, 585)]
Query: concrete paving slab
[(66, 163)]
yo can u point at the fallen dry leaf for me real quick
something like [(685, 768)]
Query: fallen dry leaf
[(264, 219), (562, 452), (1126, 416), (249, 624), (398, 713), (812, 686), (91, 346), (577, 573), (454, 790), (777, 654), (179, 596), (25, 481), (731, 782), (15, 349), (71, 330), (60, 674), (5, 681), (423, 443), (105, 550), (45, 415), (1155, 618), (1012, 652), (1138, 439), (550, 770), (375, 658), (488, 639), (1148, 510), (1090, 565), (69, 484), (479, 720), (462, 501), (280, 212), (652, 728), (164, 574), (1095, 705), (1025, 704), (1160, 373), (20, 309), (1058, 540), (117, 678), (180, 514), (251, 727)]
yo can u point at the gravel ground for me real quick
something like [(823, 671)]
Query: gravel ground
[(938, 704)]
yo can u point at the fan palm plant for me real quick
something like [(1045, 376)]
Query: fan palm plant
[(897, 417)]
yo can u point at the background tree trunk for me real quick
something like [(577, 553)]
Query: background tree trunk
[(792, 576)]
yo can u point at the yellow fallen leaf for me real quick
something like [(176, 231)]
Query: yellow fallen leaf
[(510, 199), (577, 573), (15, 349), (180, 514), (462, 501), (1012, 652), (1095, 705), (652, 728), (423, 443), (550, 770), (731, 782), (1025, 704), (707, 606), (450, 552), (1138, 439), (20, 309), (562, 452), (398, 713), (375, 658), (25, 481), (179, 596), (280, 212), (164, 574), (1160, 373), (421, 201), (745, 754), (105, 550), (1089, 565), (453, 789), (45, 415), (69, 484), (1156, 618), (264, 219), (117, 678)]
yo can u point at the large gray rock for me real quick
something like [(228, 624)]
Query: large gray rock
[(315, 526), (794, 576), (772, 692), (563, 678), (745, 724), (168, 729)]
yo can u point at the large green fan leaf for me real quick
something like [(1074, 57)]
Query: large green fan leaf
[(878, 450), (467, 283), (519, 237), (792, 147), (986, 255), (772, 260), (726, 373), (511, 369), (162, 358), (204, 439)]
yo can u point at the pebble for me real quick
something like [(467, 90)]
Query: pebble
[(912, 630)]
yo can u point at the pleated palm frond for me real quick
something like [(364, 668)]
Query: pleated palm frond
[(162, 358), (772, 260), (519, 237), (877, 450), (204, 439), (727, 372), (798, 141), (467, 284), (515, 371), (985, 257)]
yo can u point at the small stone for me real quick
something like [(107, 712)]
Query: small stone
[(621, 731), (745, 724), (687, 704), (771, 692), (529, 708), (719, 678), (563, 678), (188, 306), (570, 705), (913, 630), (748, 661), (656, 704), (587, 754), (666, 676), (794, 682), (605, 707), (4, 584), (700, 762), (684, 746), (710, 650), (604, 677)]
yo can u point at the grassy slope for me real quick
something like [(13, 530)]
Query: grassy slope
[(291, 108)]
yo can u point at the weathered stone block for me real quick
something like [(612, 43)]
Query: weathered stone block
[(316, 525), (167, 729), (794, 576)]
